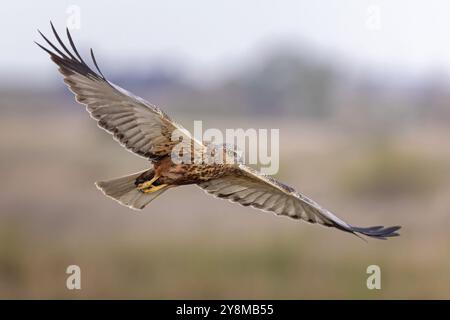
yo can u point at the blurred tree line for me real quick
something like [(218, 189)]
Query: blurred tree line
[(284, 82)]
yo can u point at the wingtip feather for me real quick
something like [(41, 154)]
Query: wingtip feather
[(378, 232), (65, 59)]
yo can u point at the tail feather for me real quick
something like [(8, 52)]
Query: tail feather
[(124, 191)]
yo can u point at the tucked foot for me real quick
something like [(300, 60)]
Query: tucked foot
[(154, 188), (147, 184)]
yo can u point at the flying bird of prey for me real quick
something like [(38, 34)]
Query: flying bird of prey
[(147, 131)]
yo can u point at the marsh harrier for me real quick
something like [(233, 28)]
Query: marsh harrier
[(147, 131)]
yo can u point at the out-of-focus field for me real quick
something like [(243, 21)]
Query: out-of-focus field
[(187, 244)]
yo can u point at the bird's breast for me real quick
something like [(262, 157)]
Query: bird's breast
[(181, 174)]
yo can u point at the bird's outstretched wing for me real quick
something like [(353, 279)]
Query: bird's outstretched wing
[(135, 123), (250, 188)]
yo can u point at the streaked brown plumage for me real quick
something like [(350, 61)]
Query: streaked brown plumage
[(147, 131)]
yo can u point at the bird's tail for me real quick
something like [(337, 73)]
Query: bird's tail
[(124, 191)]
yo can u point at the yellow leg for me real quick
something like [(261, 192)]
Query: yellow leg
[(154, 189), (148, 184)]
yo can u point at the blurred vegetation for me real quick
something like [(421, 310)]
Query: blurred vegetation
[(386, 171), (189, 245)]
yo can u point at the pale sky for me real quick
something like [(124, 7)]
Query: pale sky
[(210, 37)]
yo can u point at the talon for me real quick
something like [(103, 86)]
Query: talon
[(148, 184), (154, 189), (144, 185)]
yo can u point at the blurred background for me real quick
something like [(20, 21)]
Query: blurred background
[(360, 93)]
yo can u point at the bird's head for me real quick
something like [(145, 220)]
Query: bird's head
[(233, 153)]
